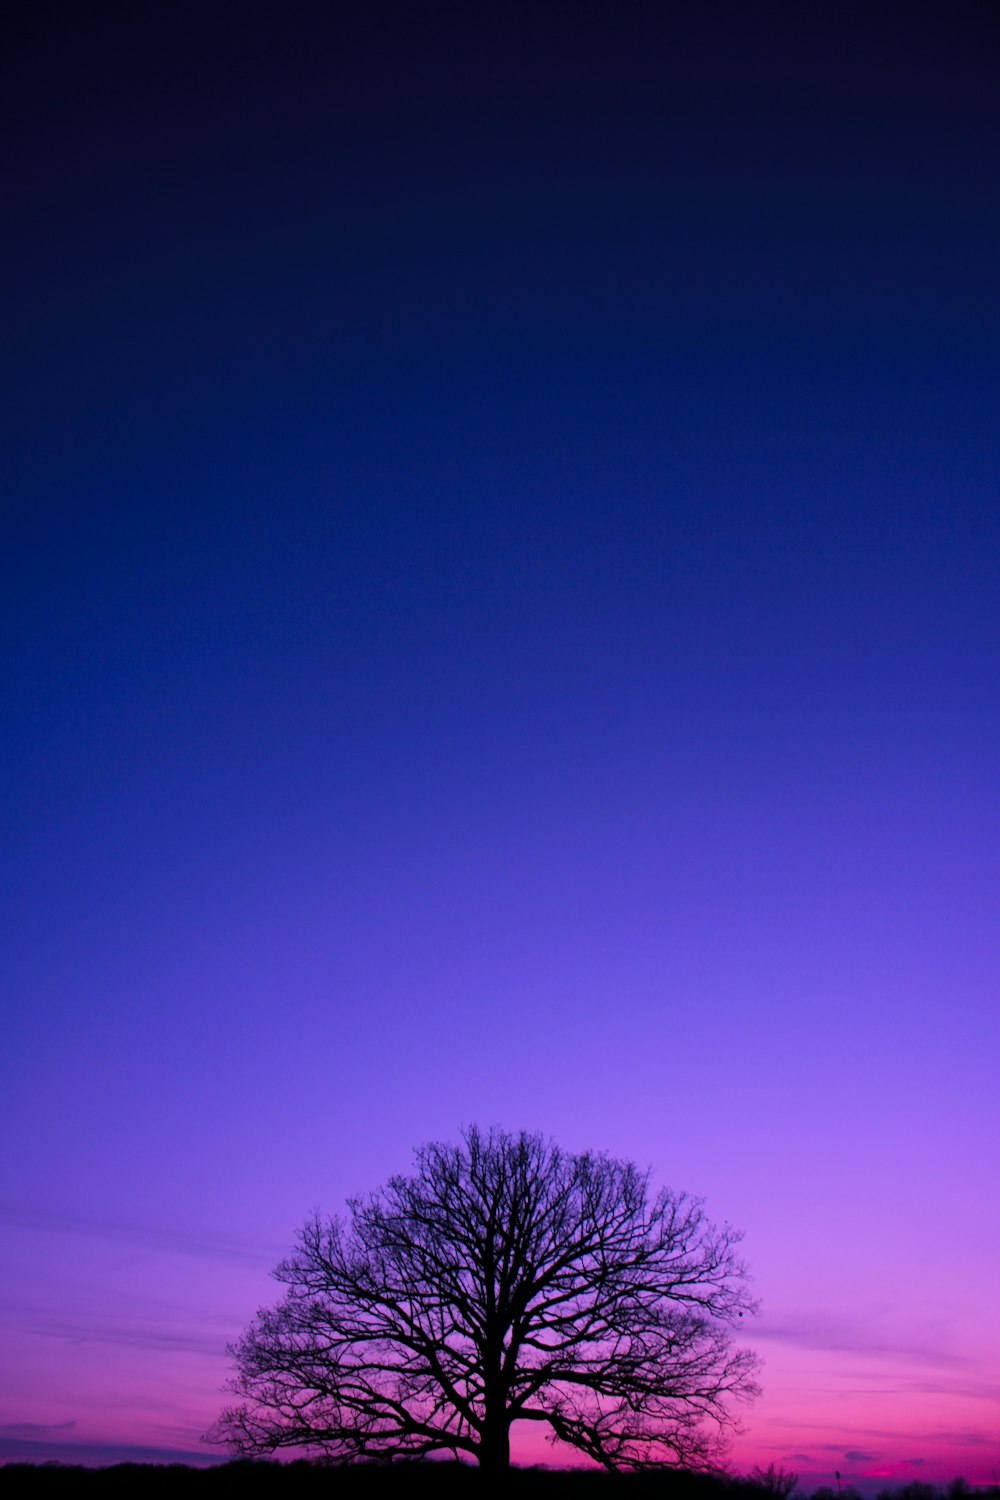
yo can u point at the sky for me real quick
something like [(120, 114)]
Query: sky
[(500, 618)]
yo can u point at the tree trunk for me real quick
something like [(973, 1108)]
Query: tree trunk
[(494, 1449)]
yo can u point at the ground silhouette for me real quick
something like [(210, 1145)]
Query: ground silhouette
[(304, 1480)]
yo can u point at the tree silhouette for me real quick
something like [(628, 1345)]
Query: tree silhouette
[(776, 1482), (504, 1281)]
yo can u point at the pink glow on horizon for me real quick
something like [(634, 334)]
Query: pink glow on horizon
[(137, 1336)]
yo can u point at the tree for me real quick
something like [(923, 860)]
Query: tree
[(776, 1482), (505, 1281)]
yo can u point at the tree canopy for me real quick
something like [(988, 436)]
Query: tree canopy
[(504, 1281)]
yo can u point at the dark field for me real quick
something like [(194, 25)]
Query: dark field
[(307, 1481)]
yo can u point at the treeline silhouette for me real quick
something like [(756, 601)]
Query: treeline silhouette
[(257, 1479)]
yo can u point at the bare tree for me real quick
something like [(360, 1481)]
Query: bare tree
[(776, 1482), (505, 1281)]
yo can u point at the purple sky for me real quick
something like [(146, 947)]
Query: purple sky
[(500, 584)]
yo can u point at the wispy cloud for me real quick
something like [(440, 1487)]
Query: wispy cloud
[(856, 1336), (96, 1454), (883, 1360), (848, 1449), (35, 1429), (131, 1336), (147, 1236)]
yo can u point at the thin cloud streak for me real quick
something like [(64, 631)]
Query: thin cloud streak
[(148, 1237), (849, 1336), (971, 1436), (154, 1339), (35, 1429), (97, 1454)]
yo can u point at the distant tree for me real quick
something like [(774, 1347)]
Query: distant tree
[(774, 1481), (504, 1281)]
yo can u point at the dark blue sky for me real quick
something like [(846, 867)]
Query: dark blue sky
[(500, 609)]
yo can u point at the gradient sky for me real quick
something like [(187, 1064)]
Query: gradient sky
[(500, 596)]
